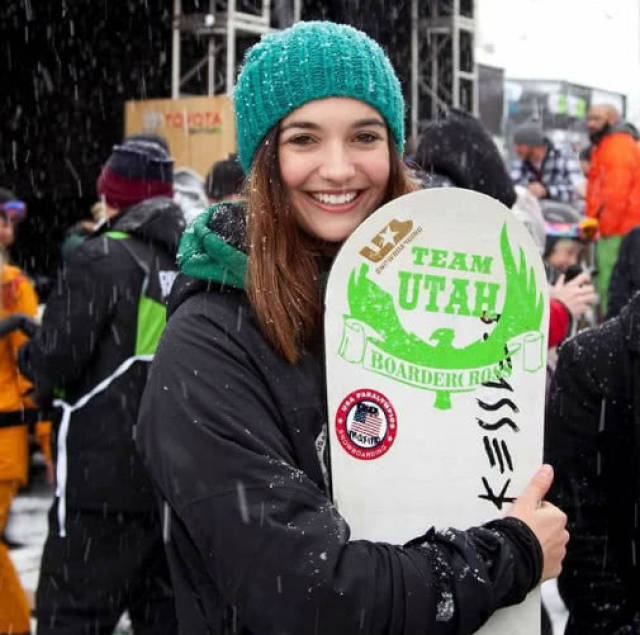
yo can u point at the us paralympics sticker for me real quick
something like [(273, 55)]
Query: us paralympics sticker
[(366, 424)]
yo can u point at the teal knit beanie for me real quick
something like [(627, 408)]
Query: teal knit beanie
[(312, 60)]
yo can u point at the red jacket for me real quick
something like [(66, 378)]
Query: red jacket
[(613, 186), (559, 322)]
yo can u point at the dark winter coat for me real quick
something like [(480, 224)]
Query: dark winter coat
[(625, 279), (231, 434), (592, 436), (88, 330), (459, 149)]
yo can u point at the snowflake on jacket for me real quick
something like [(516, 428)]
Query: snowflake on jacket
[(559, 173)]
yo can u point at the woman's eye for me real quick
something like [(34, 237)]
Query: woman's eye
[(301, 140), (366, 137)]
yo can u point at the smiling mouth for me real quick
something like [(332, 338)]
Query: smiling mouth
[(342, 198)]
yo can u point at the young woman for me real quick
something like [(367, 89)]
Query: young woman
[(232, 424)]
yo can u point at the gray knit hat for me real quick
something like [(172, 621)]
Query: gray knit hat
[(312, 60), (529, 134)]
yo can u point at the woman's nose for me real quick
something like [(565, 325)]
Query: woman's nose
[(337, 164)]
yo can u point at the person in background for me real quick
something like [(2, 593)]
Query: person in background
[(613, 187), (580, 186), (625, 278), (104, 553), (12, 211), (457, 151), (188, 192), (101, 212), (584, 157), (545, 169), (592, 439), (18, 304), (225, 180), (572, 293)]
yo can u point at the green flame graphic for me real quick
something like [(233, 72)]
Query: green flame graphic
[(521, 313)]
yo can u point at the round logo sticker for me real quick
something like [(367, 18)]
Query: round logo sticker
[(366, 424)]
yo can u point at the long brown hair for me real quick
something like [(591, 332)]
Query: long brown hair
[(285, 263)]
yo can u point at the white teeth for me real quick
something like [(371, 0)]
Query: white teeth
[(335, 199)]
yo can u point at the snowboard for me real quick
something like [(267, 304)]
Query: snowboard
[(436, 322)]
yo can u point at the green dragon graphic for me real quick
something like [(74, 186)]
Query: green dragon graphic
[(521, 313)]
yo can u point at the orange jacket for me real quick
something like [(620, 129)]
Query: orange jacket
[(613, 186), (17, 296)]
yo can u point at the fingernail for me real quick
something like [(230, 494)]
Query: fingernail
[(545, 471)]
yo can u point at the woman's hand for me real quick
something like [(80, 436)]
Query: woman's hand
[(546, 521)]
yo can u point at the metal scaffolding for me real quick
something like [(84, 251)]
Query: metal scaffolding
[(441, 53), (219, 29), (446, 74)]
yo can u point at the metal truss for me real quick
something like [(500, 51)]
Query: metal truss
[(443, 69), (220, 28)]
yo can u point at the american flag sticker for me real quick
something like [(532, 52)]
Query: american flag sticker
[(367, 420), (366, 424)]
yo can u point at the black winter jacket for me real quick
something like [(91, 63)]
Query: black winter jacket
[(88, 330), (231, 434), (625, 279), (592, 440)]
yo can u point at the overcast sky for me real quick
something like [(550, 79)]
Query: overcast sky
[(590, 42)]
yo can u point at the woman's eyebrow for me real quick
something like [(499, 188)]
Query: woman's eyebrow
[(300, 124), (309, 125), (361, 123)]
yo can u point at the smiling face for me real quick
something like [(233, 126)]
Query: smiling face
[(565, 254), (334, 162)]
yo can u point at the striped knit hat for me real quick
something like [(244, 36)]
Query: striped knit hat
[(138, 169), (312, 60)]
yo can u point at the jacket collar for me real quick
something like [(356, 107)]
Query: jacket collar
[(158, 220)]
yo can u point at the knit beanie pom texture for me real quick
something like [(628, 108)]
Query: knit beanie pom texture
[(312, 60)]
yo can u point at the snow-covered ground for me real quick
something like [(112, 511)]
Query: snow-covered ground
[(28, 526), (555, 606)]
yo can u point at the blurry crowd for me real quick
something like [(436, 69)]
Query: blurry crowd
[(81, 366), (583, 212)]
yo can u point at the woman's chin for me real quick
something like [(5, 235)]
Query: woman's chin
[(335, 233)]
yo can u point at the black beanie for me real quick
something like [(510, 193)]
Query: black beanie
[(225, 178), (459, 148), (139, 168)]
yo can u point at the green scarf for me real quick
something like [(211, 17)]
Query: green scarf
[(206, 255)]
